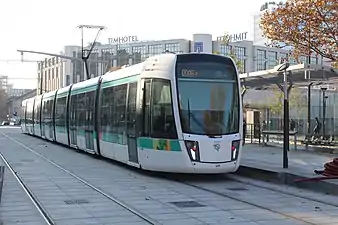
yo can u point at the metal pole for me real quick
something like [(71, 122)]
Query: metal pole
[(41, 77), (286, 123), (324, 112), (309, 109)]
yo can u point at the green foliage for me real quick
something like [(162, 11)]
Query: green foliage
[(296, 101)]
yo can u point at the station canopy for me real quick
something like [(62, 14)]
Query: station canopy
[(298, 75)]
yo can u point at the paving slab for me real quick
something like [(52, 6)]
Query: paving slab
[(148, 194), (16, 207)]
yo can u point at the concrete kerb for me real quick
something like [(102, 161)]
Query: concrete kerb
[(287, 179), (2, 177)]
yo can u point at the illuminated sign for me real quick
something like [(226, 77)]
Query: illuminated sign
[(122, 40), (189, 73), (234, 37)]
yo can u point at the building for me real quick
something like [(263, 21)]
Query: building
[(4, 83), (258, 38), (13, 103), (17, 92), (50, 75), (58, 73)]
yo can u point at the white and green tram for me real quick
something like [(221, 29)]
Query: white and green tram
[(173, 113)]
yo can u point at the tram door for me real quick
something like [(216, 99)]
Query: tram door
[(89, 120), (131, 123), (72, 121)]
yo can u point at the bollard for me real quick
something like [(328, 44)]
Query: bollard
[(2, 176)]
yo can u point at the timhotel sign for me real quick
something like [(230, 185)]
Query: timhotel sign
[(122, 40), (235, 37)]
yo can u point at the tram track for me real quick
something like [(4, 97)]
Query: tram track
[(247, 202), (239, 180), (42, 211), (49, 220), (232, 197), (197, 186)]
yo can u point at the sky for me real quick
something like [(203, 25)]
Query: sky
[(47, 26)]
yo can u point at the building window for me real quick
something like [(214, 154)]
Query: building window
[(314, 60), (140, 50), (283, 56), (173, 47), (273, 60), (123, 47), (240, 55), (225, 49), (154, 49), (261, 62)]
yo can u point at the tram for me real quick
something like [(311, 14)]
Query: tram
[(179, 113)]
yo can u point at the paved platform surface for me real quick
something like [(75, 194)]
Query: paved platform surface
[(148, 194), (301, 163), (15, 207)]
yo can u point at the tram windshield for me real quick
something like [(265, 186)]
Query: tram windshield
[(208, 95)]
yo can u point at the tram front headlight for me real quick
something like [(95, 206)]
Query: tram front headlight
[(193, 150), (235, 149)]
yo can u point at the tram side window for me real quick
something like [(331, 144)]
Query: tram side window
[(44, 112), (36, 119), (50, 115), (90, 103), (47, 115), (146, 102), (81, 110), (119, 116), (38, 108), (234, 115), (107, 104), (60, 112), (131, 110), (162, 122)]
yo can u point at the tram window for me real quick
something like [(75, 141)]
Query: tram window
[(36, 109), (89, 122), (119, 116), (147, 100), (162, 118), (131, 110), (51, 103), (107, 104), (80, 115), (60, 112), (43, 111)]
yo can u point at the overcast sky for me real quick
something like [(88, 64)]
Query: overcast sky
[(47, 26)]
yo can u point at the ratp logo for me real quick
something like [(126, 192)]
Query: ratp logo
[(217, 147)]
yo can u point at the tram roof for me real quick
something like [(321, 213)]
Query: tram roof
[(296, 74)]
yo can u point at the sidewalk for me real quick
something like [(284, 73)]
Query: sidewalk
[(267, 163)]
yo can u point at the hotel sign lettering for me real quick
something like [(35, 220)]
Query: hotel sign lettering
[(123, 39), (234, 37)]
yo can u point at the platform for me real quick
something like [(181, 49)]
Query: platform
[(69, 202), (267, 163)]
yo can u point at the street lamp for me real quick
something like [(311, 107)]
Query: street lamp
[(283, 67)]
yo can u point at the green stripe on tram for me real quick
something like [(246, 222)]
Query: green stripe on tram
[(159, 144)]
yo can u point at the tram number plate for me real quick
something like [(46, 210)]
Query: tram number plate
[(217, 165)]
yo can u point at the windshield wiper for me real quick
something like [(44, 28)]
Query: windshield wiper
[(191, 115)]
